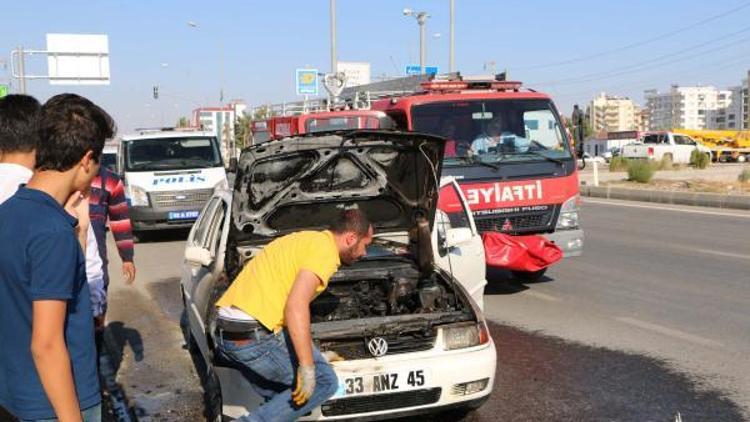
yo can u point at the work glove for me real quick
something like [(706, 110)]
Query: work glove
[(305, 385), (332, 356)]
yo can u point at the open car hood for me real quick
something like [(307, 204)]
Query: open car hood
[(304, 182)]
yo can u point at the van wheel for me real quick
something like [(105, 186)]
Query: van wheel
[(139, 236), (529, 276)]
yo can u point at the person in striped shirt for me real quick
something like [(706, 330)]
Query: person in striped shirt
[(107, 205)]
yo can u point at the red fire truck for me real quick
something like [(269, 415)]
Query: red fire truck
[(508, 150), (320, 121)]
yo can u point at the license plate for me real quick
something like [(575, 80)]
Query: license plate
[(183, 215), (400, 380)]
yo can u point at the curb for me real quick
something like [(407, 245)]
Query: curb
[(715, 200)]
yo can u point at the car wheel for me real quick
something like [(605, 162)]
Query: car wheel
[(212, 397), (529, 276)]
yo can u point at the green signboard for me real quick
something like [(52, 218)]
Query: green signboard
[(3, 90)]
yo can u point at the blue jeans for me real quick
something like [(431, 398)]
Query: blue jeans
[(270, 364), (92, 414)]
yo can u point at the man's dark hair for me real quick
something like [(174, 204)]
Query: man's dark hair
[(70, 127), (352, 220), (19, 123)]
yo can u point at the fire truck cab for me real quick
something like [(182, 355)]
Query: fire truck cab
[(508, 150)]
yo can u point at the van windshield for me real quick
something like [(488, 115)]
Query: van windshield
[(494, 131), (172, 154)]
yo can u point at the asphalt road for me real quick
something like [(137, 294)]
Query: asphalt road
[(650, 323)]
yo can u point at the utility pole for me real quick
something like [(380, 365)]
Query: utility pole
[(452, 60), (21, 71), (334, 59)]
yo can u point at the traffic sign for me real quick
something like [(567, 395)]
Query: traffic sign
[(3, 90), (415, 69), (307, 82)]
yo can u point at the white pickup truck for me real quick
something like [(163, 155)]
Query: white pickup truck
[(657, 145)]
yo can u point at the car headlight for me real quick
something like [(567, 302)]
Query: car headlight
[(569, 214), (138, 196), (462, 336)]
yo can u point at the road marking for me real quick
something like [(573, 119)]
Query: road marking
[(665, 207), (720, 253), (670, 332), (540, 295)]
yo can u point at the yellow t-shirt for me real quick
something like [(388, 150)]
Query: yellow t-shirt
[(262, 287)]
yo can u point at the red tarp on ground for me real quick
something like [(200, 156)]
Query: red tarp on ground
[(519, 253)]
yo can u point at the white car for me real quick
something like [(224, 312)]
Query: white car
[(440, 355)]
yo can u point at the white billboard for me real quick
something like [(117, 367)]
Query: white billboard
[(77, 59), (357, 73)]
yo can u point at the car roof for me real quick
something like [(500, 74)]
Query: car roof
[(167, 135)]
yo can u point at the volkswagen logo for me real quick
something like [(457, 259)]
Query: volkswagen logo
[(377, 346)]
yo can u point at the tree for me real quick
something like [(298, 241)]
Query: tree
[(183, 122), (242, 130)]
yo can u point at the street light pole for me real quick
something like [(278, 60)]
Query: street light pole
[(421, 18), (421, 45), (452, 37), (334, 59)]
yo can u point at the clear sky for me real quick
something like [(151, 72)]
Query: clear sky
[(570, 49)]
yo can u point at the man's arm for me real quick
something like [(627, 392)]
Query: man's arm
[(119, 223), (51, 358), (297, 315)]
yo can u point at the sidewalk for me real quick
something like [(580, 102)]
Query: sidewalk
[(717, 172)]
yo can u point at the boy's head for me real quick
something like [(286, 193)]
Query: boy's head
[(19, 124), (72, 132)]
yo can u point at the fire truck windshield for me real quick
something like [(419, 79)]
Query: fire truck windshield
[(494, 130)]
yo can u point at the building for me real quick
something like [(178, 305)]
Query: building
[(221, 121), (604, 142), (613, 114), (694, 107), (731, 117)]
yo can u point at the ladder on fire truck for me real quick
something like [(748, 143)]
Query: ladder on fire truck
[(361, 97)]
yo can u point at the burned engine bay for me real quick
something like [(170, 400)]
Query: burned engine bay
[(387, 298), (372, 289)]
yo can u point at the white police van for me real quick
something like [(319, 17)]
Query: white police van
[(169, 175)]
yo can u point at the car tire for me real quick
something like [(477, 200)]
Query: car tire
[(529, 276), (212, 397)]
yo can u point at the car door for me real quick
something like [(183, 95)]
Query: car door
[(682, 149), (464, 257), (204, 261)]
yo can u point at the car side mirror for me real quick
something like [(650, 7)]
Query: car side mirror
[(198, 256), (456, 237)]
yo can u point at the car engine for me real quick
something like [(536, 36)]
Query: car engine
[(382, 290)]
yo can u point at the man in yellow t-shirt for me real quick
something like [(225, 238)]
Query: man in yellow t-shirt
[(275, 289)]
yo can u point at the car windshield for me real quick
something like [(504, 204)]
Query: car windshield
[(172, 154), (494, 131)]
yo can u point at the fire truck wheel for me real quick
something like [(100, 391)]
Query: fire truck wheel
[(529, 276)]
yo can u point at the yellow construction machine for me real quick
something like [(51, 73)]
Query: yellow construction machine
[(725, 145)]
